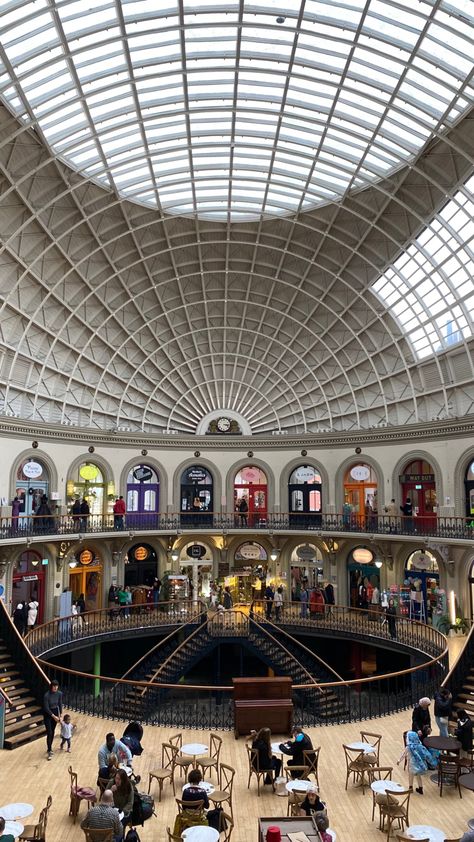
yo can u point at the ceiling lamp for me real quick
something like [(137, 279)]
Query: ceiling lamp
[(174, 555), (378, 562), (274, 555)]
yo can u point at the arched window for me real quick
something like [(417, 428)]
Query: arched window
[(143, 497), (418, 485), (304, 493), (29, 578), (250, 497), (469, 489), (142, 565), (306, 568), (88, 483), (360, 495), (248, 579), (420, 597), (197, 496), (32, 481)]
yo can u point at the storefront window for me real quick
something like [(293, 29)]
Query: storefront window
[(89, 484), (250, 497), (418, 485), (360, 496), (142, 496), (469, 492), (306, 569), (85, 577), (196, 563), (364, 579), (420, 595), (197, 503), (32, 481), (29, 581), (141, 566), (304, 490)]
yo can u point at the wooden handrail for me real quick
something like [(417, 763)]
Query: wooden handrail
[(34, 661), (6, 696), (460, 655)]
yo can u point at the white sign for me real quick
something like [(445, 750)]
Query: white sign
[(421, 562), (248, 551), (32, 470), (360, 472), (306, 553), (306, 474)]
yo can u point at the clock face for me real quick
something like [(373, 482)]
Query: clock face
[(223, 424)]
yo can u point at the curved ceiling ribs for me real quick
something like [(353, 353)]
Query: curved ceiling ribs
[(114, 314)]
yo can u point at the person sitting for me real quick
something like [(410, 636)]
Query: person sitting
[(5, 837), (113, 746), (301, 743), (312, 803), (193, 792), (262, 742), (123, 793), (322, 824), (463, 732), (102, 816), (421, 719)]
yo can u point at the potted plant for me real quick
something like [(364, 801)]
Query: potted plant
[(461, 625)]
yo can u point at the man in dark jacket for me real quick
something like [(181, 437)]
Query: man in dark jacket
[(443, 701), (421, 719), (463, 732), (296, 748)]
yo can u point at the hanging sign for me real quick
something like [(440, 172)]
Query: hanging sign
[(417, 478), (360, 472), (88, 471), (306, 474), (32, 470), (142, 473), (86, 557), (196, 551), (362, 555), (251, 475), (141, 553), (196, 475), (249, 551), (306, 553)]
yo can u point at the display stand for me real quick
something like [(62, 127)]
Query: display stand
[(417, 607)]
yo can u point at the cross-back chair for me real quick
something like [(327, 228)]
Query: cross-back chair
[(166, 770)]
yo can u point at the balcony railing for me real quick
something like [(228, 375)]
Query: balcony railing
[(59, 525)]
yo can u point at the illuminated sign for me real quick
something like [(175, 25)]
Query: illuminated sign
[(86, 557), (141, 553), (88, 471)]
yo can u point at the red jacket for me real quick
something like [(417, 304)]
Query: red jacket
[(119, 507)]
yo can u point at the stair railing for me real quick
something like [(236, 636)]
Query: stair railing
[(456, 676), (32, 673)]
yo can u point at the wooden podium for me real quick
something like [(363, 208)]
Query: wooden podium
[(262, 703)]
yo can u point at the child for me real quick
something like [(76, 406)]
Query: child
[(420, 759), (66, 731)]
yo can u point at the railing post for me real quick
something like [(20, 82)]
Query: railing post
[(97, 656)]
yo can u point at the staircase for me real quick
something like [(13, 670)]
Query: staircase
[(460, 679), (465, 698), (23, 717)]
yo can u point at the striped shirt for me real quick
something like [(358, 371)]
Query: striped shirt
[(102, 816)]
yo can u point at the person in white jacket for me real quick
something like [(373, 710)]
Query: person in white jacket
[(32, 613)]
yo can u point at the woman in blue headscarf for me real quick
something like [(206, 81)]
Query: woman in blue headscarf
[(420, 759)]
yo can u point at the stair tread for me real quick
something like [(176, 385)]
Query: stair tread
[(27, 724), (21, 712)]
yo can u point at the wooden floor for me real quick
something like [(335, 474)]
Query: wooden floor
[(26, 775)]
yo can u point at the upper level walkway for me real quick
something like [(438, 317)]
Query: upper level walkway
[(51, 527)]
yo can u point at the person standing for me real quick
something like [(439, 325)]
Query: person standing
[(76, 513), (16, 506), (32, 613), (419, 758), (392, 512), (243, 511), (391, 617), (407, 511), (67, 729), (20, 618), (268, 597), (278, 603), (227, 600), (85, 512), (443, 702), (304, 597), (119, 513), (421, 719), (52, 710)]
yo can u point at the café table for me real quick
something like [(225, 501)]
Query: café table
[(425, 831), (194, 749), (276, 749), (467, 781), (443, 744), (359, 745), (381, 787), (15, 828), (200, 833), (18, 810), (299, 786)]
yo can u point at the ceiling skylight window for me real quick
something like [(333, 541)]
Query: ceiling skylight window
[(362, 84), (430, 288)]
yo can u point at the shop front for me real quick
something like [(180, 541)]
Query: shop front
[(143, 498), (304, 492), (141, 566), (197, 497), (85, 577), (360, 507), (418, 485), (29, 581), (364, 579), (420, 595), (32, 482), (248, 578), (89, 484), (196, 563), (250, 497), (306, 569), (469, 493)]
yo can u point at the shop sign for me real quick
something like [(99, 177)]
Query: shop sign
[(417, 478), (362, 555), (45, 561), (249, 551), (32, 470), (86, 557), (306, 553), (251, 475), (360, 473), (196, 475), (142, 473), (141, 553), (421, 562), (306, 474), (88, 471), (30, 578), (196, 551)]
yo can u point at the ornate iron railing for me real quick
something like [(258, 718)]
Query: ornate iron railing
[(59, 525)]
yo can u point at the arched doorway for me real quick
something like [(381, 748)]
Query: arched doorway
[(418, 484), (143, 497), (360, 497), (248, 578), (88, 483), (250, 497), (364, 577), (141, 566), (29, 581), (469, 489), (85, 577), (304, 491), (306, 569), (32, 481), (196, 563), (197, 498), (420, 596)]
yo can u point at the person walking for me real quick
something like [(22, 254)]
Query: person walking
[(420, 760), (443, 702), (52, 711)]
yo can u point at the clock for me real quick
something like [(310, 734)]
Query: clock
[(223, 425)]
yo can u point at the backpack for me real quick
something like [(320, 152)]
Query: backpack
[(132, 836), (143, 808)]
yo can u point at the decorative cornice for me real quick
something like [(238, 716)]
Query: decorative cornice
[(456, 428)]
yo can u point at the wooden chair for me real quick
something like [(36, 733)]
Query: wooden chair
[(211, 761), (190, 813), (254, 769), (396, 809), (102, 784), (102, 834), (311, 761), (357, 766), (229, 826), (295, 800), (458, 839), (449, 771), (374, 740), (181, 762), (166, 770), (220, 796), (172, 837), (378, 773), (37, 831), (78, 794)]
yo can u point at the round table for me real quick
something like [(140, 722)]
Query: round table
[(467, 781), (194, 749), (16, 811), (205, 785), (299, 786), (359, 745), (276, 749), (15, 828), (382, 787), (425, 831), (199, 833), (442, 743)]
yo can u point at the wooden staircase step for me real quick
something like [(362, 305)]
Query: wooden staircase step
[(14, 740), (17, 713), (30, 722)]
